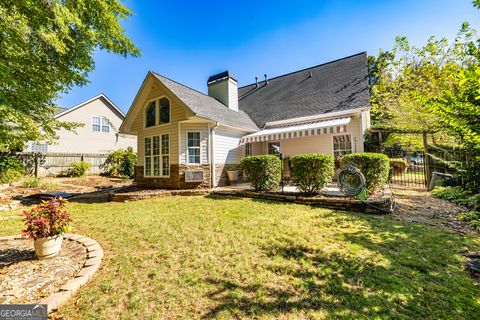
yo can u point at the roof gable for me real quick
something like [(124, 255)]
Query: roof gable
[(330, 87), (63, 111)]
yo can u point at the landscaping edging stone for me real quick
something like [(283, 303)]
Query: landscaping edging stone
[(91, 265), (332, 202), (133, 196), (340, 203)]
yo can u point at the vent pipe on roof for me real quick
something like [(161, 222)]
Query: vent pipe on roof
[(266, 79), (310, 74), (256, 82)]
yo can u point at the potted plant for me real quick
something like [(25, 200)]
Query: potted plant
[(232, 172), (46, 224)]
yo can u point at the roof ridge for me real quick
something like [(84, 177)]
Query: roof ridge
[(304, 69), (206, 95)]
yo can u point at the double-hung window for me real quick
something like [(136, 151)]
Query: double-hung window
[(157, 156), (342, 144), (39, 147), (100, 124), (193, 147), (96, 124)]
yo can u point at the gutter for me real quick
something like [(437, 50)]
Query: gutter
[(212, 155)]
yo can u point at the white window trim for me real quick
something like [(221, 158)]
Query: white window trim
[(342, 134), (101, 124), (157, 113), (160, 155), (199, 147)]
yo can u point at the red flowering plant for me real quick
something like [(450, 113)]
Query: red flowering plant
[(47, 219)]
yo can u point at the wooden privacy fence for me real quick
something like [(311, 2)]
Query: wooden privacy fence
[(52, 164)]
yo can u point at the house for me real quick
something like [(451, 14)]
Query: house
[(100, 119), (187, 138)]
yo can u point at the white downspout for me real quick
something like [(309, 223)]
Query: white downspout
[(212, 156)]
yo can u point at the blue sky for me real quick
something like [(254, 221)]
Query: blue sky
[(190, 40)]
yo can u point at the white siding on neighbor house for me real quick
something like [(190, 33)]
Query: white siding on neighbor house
[(84, 139), (227, 148), (194, 127)]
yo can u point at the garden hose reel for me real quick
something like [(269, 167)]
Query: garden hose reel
[(352, 182)]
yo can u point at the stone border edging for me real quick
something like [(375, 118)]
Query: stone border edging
[(132, 196), (94, 254), (340, 203)]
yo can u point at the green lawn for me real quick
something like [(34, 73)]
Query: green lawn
[(196, 257)]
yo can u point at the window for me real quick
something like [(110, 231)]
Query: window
[(164, 110), (274, 148), (165, 154), (342, 144), (248, 149), (39, 147), (105, 124), (157, 156), (96, 124), (148, 157), (150, 115), (100, 124), (193, 147)]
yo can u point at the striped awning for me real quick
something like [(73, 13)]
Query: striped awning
[(295, 131)]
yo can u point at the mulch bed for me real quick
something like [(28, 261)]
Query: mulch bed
[(419, 206), (25, 279)]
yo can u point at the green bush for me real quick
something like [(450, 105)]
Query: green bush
[(459, 196), (120, 163), (263, 172), (472, 218), (31, 183), (78, 169), (11, 169), (471, 175), (311, 172), (374, 166), (398, 166)]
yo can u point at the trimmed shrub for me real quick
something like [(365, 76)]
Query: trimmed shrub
[(398, 166), (11, 169), (312, 172), (78, 169), (263, 172), (120, 163), (374, 166)]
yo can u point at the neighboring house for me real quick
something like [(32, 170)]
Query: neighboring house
[(186, 138), (101, 120)]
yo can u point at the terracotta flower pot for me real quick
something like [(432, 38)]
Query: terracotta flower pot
[(48, 247), (232, 175)]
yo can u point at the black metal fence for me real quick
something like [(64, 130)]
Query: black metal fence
[(409, 169)]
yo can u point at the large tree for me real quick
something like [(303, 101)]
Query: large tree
[(47, 47), (409, 83)]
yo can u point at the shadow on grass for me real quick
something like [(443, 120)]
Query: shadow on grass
[(409, 278)]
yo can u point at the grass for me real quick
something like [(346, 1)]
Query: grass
[(207, 257)]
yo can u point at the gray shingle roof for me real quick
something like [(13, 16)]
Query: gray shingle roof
[(330, 87), (208, 107)]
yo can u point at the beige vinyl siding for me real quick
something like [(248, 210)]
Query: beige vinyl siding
[(354, 128), (177, 113), (83, 139), (227, 148), (194, 127)]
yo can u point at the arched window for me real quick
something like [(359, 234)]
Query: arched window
[(164, 110), (150, 115)]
